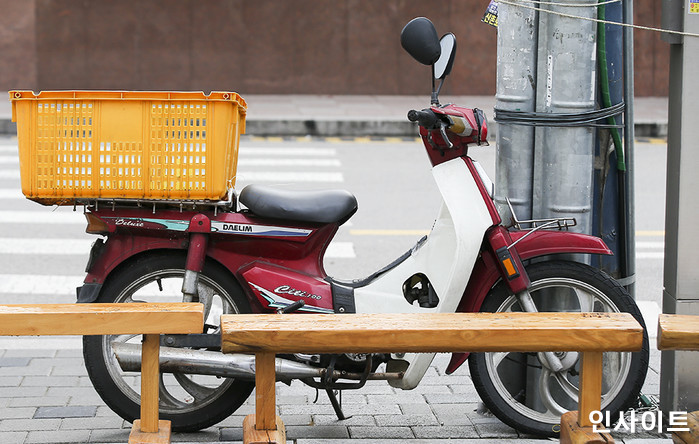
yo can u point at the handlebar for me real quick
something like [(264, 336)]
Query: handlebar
[(425, 118), (429, 120)]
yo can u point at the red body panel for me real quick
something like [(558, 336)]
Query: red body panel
[(237, 240), (276, 287)]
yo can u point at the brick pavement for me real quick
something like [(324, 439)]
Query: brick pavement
[(46, 397)]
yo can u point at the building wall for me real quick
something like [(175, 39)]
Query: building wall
[(259, 47)]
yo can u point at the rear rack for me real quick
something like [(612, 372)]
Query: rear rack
[(226, 205), (559, 223)]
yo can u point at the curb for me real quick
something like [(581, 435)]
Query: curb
[(354, 128)]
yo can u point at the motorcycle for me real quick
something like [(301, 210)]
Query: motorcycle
[(266, 255)]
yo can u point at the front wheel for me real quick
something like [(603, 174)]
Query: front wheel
[(190, 402), (520, 388)]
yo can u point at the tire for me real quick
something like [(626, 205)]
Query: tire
[(190, 402), (519, 388)]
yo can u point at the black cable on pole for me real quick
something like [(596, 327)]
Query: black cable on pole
[(582, 119)]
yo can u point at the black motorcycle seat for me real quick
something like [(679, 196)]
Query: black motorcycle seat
[(307, 206)]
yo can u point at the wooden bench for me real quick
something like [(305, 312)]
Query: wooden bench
[(150, 320), (268, 334), (681, 332)]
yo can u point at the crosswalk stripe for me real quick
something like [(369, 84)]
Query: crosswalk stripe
[(81, 247), (288, 176), (11, 193), (285, 151), (47, 217), (252, 176), (243, 151), (262, 161), (650, 255), (39, 284), (650, 245), (9, 174), (9, 160)]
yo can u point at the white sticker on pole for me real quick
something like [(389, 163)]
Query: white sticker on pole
[(549, 79)]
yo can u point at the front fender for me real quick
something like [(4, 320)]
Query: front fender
[(486, 272)]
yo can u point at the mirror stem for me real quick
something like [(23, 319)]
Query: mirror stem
[(435, 93)]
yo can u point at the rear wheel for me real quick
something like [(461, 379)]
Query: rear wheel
[(520, 388), (191, 402)]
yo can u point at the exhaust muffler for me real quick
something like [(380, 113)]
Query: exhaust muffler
[(204, 362)]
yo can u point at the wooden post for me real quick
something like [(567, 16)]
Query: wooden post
[(265, 397), (150, 383), (149, 429), (590, 391), (264, 427)]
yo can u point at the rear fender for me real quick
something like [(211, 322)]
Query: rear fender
[(486, 272), (106, 257)]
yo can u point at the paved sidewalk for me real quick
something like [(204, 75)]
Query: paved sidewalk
[(46, 397), (362, 115)]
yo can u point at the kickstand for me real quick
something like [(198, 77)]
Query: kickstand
[(336, 405)]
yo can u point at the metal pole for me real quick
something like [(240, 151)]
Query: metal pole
[(516, 91), (564, 156), (627, 188)]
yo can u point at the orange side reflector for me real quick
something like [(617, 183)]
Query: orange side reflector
[(509, 267)]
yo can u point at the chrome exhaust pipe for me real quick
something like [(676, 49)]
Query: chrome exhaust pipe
[(204, 362)]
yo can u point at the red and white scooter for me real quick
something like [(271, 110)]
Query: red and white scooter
[(269, 257)]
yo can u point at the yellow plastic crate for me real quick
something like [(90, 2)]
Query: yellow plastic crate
[(127, 144)]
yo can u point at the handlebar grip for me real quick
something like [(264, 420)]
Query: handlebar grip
[(425, 118)]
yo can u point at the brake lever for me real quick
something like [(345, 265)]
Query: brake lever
[(442, 130)]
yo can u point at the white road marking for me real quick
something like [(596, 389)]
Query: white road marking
[(46, 217), (252, 176), (9, 160), (285, 151), (39, 284), (11, 193), (9, 174), (288, 176), (650, 255), (649, 245), (263, 161)]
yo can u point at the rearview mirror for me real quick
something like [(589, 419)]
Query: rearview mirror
[(419, 38), (442, 67)]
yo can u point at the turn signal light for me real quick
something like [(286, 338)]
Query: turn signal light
[(95, 225)]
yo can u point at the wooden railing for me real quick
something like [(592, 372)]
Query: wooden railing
[(150, 320), (681, 332), (268, 334)]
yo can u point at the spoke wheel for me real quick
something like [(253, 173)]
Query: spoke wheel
[(191, 402), (520, 388)]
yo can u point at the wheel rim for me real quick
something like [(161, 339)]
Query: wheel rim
[(515, 375), (179, 393)]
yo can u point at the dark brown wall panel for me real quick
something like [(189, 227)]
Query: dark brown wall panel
[(261, 46), (17, 45)]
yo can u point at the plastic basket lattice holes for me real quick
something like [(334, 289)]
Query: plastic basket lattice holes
[(138, 145)]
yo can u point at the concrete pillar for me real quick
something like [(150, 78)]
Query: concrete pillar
[(679, 381)]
